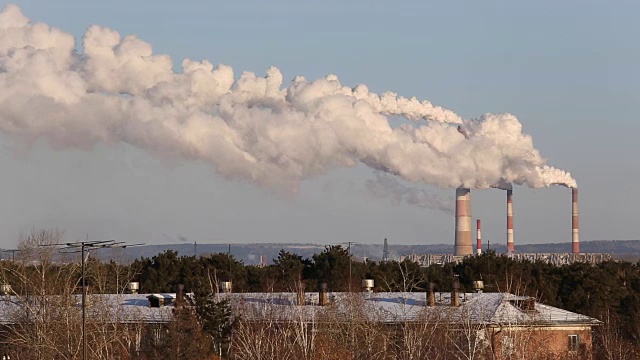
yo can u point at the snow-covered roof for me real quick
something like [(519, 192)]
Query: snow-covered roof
[(392, 307), (122, 308), (388, 307)]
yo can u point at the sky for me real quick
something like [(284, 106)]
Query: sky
[(568, 70)]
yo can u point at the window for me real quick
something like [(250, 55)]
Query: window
[(574, 342)]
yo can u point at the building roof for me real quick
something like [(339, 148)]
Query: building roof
[(393, 307), (388, 307), (121, 308)]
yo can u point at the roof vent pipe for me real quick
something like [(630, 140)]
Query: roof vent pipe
[(179, 290), (478, 286), (455, 301), (431, 294), (323, 299), (300, 294)]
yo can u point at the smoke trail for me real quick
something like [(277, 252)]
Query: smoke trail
[(251, 128), (386, 186)]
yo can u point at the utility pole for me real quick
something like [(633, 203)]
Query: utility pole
[(349, 250)]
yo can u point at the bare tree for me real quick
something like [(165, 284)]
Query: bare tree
[(610, 342), (44, 309), (423, 336)]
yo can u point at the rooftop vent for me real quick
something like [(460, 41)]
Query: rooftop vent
[(478, 286), (5, 289), (225, 286), (367, 285), (133, 287), (160, 300)]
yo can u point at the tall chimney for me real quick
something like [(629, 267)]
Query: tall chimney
[(478, 238), (463, 245), (575, 236), (510, 246)]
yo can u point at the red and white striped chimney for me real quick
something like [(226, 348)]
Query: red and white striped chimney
[(463, 244), (479, 238), (510, 245), (575, 236)]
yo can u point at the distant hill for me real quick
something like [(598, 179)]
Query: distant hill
[(251, 253)]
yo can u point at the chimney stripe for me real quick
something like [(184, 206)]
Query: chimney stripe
[(575, 235), (463, 245)]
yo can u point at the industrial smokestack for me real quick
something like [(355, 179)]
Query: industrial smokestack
[(463, 245), (575, 236), (510, 245), (479, 238)]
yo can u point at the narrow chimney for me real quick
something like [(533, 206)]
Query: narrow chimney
[(510, 245), (179, 290), (478, 238), (300, 293), (431, 294), (323, 298), (575, 236), (463, 245), (455, 301)]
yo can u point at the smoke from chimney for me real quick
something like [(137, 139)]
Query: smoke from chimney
[(385, 185), (116, 90), (463, 245), (510, 245), (479, 237), (575, 236)]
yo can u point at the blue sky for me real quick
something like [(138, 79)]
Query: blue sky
[(568, 70)]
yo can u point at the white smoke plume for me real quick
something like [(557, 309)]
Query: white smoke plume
[(252, 128), (387, 186)]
